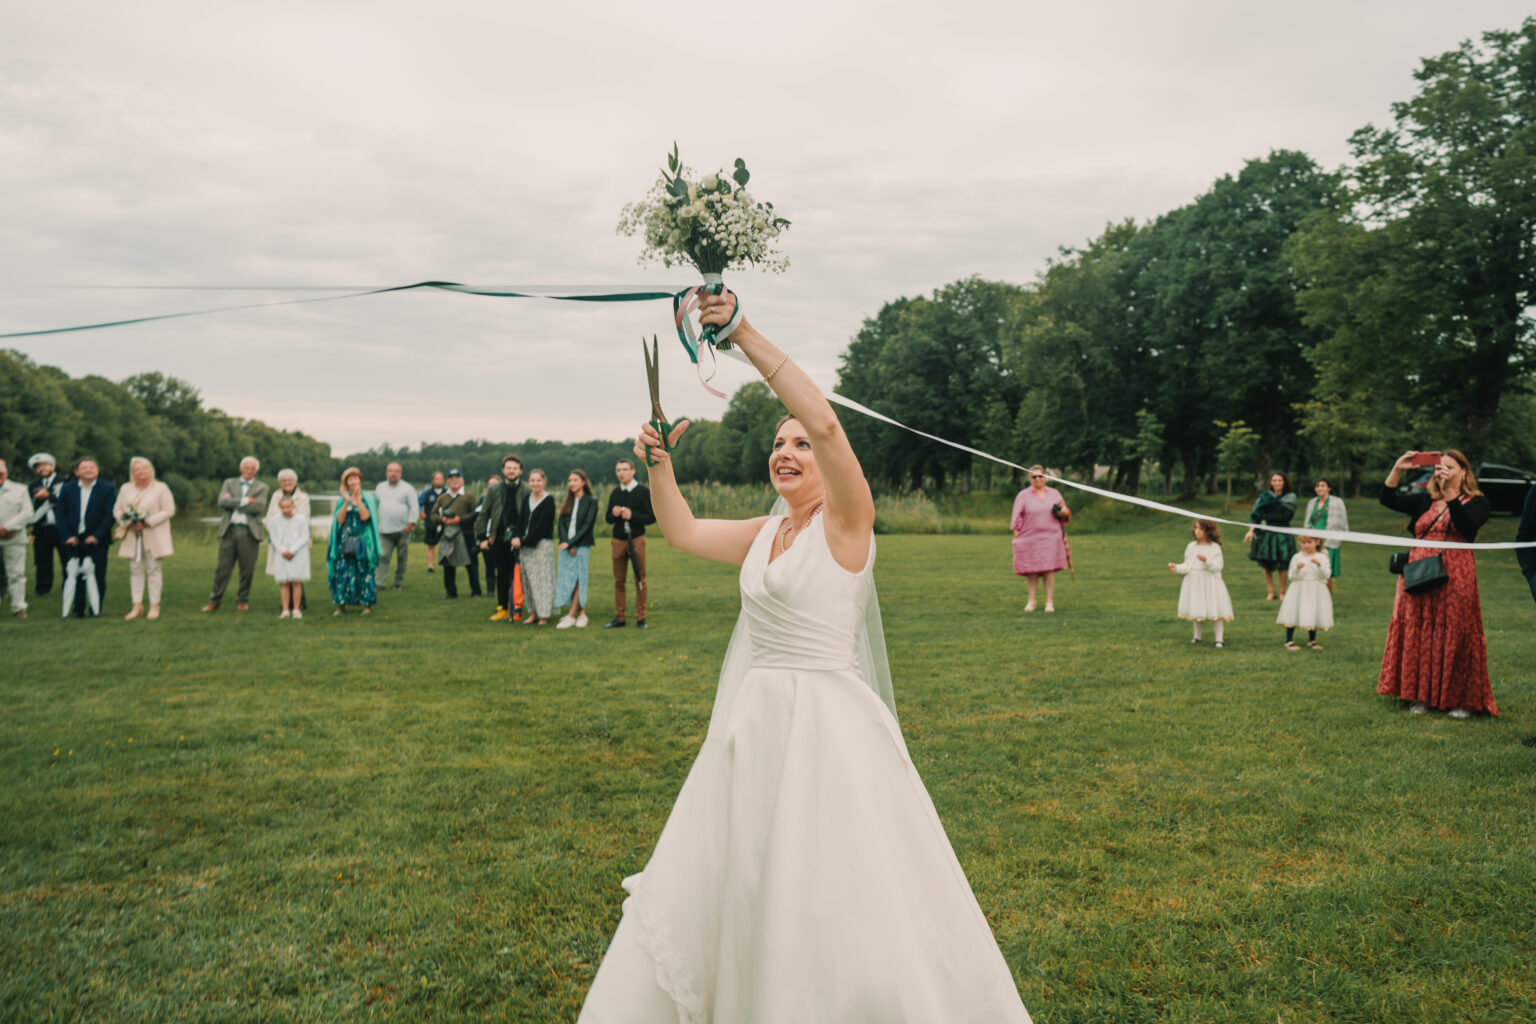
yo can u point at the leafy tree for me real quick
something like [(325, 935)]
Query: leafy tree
[(1235, 451), (1424, 278)]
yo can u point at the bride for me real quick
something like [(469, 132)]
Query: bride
[(803, 874)]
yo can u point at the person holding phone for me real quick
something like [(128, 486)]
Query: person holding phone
[(354, 548), (1436, 655)]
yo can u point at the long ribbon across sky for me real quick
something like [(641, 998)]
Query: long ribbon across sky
[(683, 299)]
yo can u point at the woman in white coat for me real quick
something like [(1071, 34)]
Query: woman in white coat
[(1326, 512), (143, 513)]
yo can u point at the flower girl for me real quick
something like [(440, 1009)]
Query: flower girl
[(1203, 596), (1307, 603), (288, 533)]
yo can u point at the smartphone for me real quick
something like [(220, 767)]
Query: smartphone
[(1426, 459)]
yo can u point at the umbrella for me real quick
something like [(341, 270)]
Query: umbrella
[(74, 568)]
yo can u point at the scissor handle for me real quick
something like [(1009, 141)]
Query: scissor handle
[(665, 430)]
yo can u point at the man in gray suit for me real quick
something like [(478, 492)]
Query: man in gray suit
[(241, 531)]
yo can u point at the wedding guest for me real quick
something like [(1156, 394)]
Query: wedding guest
[(84, 515), (1203, 596), (629, 512), (578, 517), (397, 514), (475, 551), (499, 531), (1326, 512), (15, 514), (354, 546), (1436, 655), (1040, 515), (288, 535), (537, 554), (1527, 532), (454, 508), (1274, 507), (427, 501), (240, 533), (1307, 604), (143, 512), (46, 483), (287, 487)]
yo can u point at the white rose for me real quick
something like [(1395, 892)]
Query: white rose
[(710, 182)]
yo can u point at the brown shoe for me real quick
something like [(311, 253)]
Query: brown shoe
[(210, 607), (19, 615), (242, 607)]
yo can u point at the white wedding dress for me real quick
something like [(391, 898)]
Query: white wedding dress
[(803, 875)]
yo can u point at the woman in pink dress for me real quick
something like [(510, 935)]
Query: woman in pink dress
[(1039, 542)]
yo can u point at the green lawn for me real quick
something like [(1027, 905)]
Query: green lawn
[(422, 816)]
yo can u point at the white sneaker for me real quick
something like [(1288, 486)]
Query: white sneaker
[(1418, 708), (298, 614), (1460, 713), (566, 622), (286, 615), (581, 621), (1049, 607)]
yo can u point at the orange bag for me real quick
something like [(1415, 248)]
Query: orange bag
[(517, 592)]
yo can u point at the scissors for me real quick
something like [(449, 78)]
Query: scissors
[(658, 418)]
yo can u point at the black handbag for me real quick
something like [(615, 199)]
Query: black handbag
[(349, 548), (1424, 574), (1420, 575)]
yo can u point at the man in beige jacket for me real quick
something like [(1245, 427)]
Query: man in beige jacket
[(15, 514), (241, 531)]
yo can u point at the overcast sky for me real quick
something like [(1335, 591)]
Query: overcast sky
[(347, 143)]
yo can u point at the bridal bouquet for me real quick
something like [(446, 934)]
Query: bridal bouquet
[(130, 516), (707, 222)]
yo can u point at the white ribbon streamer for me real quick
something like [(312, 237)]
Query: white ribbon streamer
[(1350, 535)]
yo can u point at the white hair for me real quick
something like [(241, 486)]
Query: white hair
[(251, 458), (287, 472), (136, 460)]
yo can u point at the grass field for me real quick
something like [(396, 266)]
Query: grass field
[(420, 816)]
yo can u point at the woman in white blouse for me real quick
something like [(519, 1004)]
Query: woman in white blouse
[(143, 513)]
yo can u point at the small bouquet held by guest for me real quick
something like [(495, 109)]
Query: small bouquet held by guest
[(131, 517), (710, 224)]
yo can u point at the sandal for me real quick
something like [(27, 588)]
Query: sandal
[(1314, 645), (1290, 645), (340, 610)]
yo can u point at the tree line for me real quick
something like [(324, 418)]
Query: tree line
[(1289, 317)]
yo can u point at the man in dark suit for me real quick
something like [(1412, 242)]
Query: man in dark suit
[(500, 531), (84, 515), (241, 531), (45, 487)]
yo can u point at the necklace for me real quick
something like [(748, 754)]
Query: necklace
[(789, 527)]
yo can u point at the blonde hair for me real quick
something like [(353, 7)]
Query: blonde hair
[(1468, 481), (1307, 536), (348, 472), (138, 459)]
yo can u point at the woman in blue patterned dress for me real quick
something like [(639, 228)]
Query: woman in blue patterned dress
[(354, 548)]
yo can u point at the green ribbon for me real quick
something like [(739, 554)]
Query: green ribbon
[(447, 286)]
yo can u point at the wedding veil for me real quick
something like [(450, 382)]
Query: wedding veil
[(874, 666)]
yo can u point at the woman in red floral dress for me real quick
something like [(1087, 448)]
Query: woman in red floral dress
[(1436, 655)]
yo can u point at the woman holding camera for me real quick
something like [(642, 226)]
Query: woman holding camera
[(1436, 655), (1039, 540)]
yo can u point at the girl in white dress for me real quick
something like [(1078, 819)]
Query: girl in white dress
[(288, 534), (1307, 604), (803, 874), (1203, 596)]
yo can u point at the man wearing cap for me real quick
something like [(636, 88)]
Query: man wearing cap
[(452, 513), (241, 531), (15, 514), (46, 483)]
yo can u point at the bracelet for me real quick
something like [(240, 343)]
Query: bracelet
[(776, 369)]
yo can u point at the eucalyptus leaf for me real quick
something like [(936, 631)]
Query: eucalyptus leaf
[(741, 175)]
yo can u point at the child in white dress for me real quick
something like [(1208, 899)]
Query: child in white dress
[(1203, 597), (288, 533), (1307, 604)]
